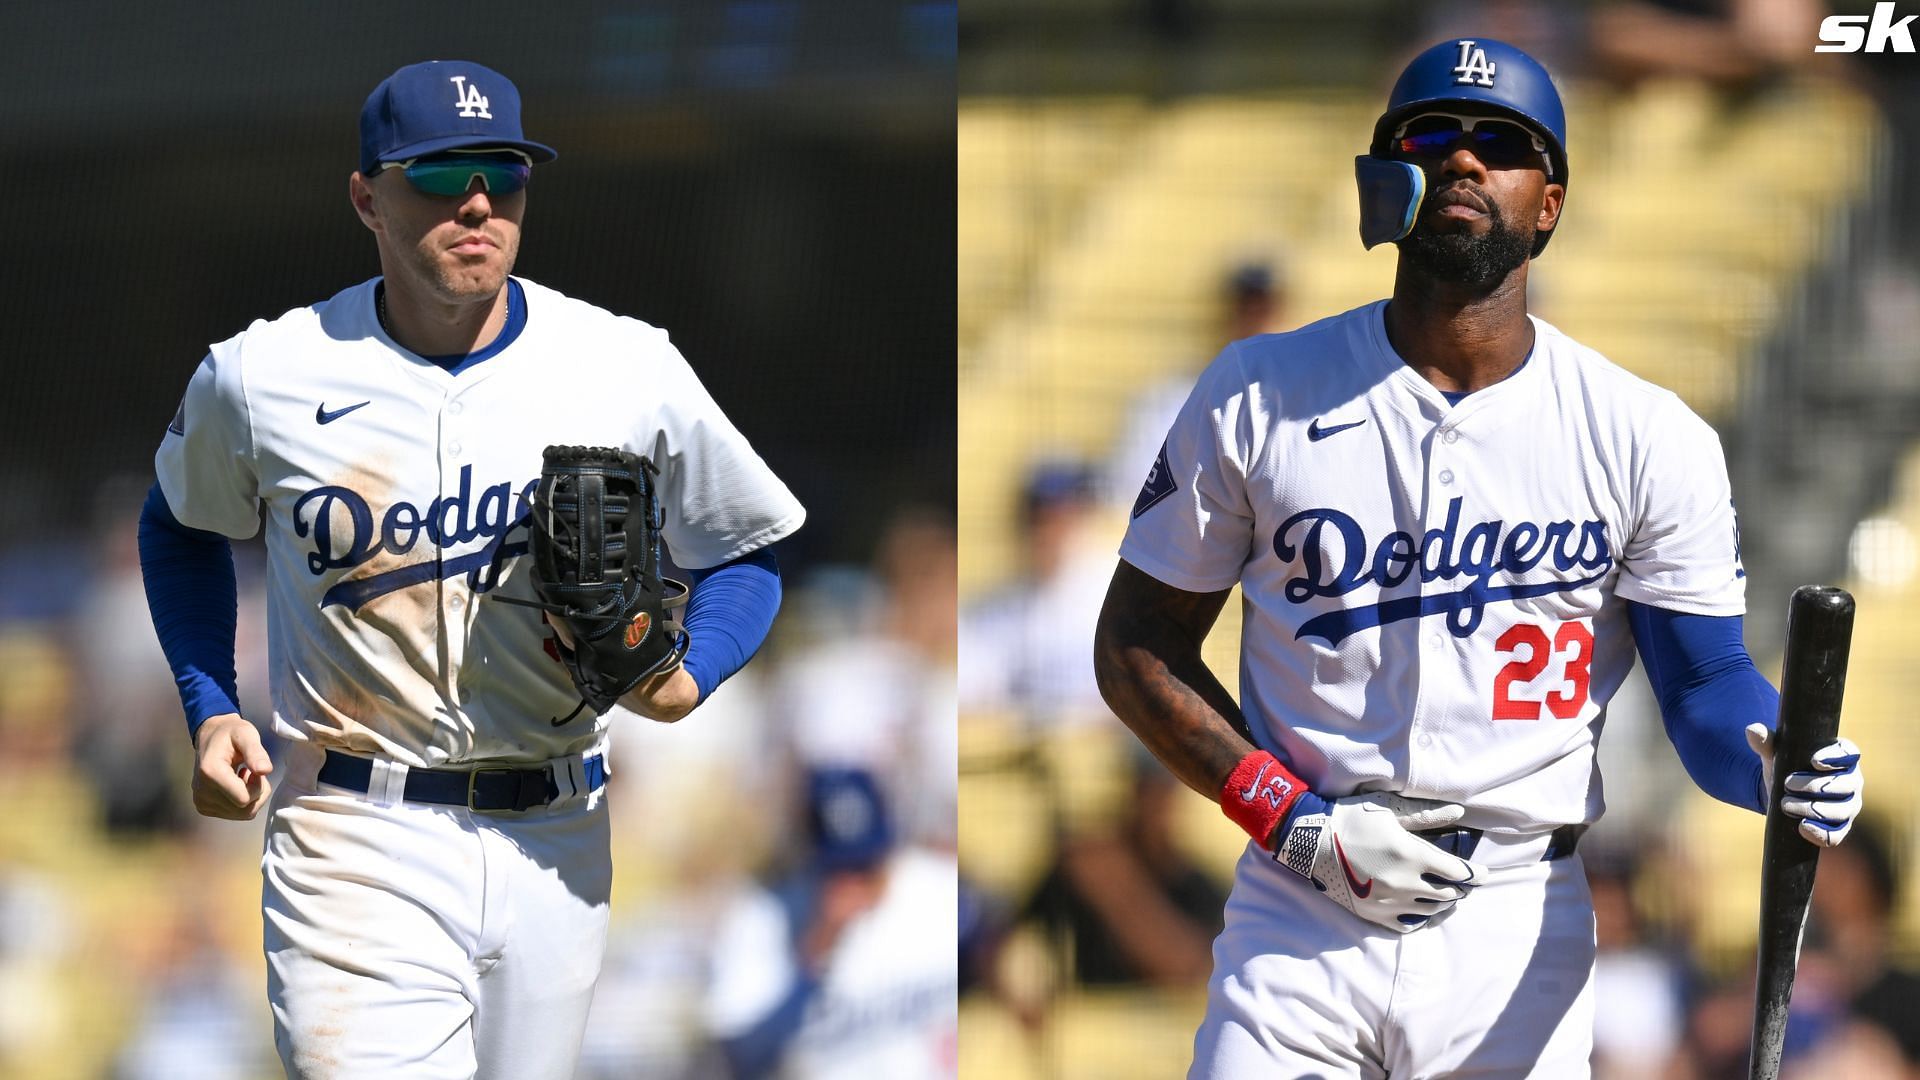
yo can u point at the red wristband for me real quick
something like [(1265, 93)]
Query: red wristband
[(1258, 794)]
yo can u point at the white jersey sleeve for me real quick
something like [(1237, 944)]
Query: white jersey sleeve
[(721, 500), (753, 966), (206, 463), (1683, 552), (1192, 525)]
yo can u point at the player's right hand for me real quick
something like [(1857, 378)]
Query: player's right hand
[(230, 769), (1362, 853)]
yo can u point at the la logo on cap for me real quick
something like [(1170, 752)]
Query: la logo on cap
[(472, 103)]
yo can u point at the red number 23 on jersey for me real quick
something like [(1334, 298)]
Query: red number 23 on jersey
[(1572, 644)]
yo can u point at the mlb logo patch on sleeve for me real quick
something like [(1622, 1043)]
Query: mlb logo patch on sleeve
[(1159, 484)]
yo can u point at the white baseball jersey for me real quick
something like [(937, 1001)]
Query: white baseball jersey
[(395, 500), (1434, 593)]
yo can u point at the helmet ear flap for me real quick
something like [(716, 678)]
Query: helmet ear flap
[(1390, 197)]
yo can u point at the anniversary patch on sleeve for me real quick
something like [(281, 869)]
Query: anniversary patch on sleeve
[(1159, 484)]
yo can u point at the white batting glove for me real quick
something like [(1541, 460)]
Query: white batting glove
[(1361, 853), (1828, 798)]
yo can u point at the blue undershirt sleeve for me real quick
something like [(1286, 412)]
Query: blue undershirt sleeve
[(1709, 691), (753, 1053), (728, 616), (194, 600)]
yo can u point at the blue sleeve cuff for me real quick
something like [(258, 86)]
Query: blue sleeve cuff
[(728, 616), (754, 1053), (194, 601), (1306, 805), (1709, 691)]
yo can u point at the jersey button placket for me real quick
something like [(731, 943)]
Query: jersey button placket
[(1434, 645), (452, 596)]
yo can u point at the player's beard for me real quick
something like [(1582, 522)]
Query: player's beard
[(1462, 257)]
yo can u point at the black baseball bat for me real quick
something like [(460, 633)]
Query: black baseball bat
[(1813, 677)]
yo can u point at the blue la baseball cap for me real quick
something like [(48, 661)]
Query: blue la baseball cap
[(441, 105), (847, 819)]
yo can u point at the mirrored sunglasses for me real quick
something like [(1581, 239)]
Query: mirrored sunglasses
[(502, 173), (1501, 144)]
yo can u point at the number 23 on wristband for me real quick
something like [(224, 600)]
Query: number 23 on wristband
[(1533, 648)]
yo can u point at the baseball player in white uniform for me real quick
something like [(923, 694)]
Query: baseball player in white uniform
[(436, 865), (832, 974), (1452, 526)]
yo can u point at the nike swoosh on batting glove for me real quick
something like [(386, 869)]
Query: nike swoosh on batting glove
[(1826, 798), (1361, 852)]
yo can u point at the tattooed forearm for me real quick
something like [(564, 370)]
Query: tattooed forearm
[(1147, 658)]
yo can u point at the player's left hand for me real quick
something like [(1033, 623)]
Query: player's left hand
[(665, 697), (1828, 797)]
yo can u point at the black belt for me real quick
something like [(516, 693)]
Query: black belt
[(1460, 842), (488, 789)]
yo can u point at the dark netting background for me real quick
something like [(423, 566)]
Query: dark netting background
[(770, 180)]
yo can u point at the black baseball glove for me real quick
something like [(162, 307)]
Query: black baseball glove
[(594, 534)]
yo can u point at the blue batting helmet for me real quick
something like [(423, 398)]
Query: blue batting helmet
[(1480, 73)]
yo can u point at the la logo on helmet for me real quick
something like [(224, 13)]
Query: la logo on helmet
[(472, 103), (1474, 69)]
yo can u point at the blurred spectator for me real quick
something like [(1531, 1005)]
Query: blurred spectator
[(1852, 922), (1029, 644), (186, 959), (1639, 1011), (36, 699), (677, 851), (1855, 1013), (1731, 44), (861, 677), (200, 1018), (1135, 907), (36, 930), (130, 730), (1252, 301), (1720, 1024), (882, 699), (1550, 33), (848, 968)]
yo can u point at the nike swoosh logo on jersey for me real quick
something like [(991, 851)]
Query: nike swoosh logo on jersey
[(1361, 889), (321, 415), (1315, 432)]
